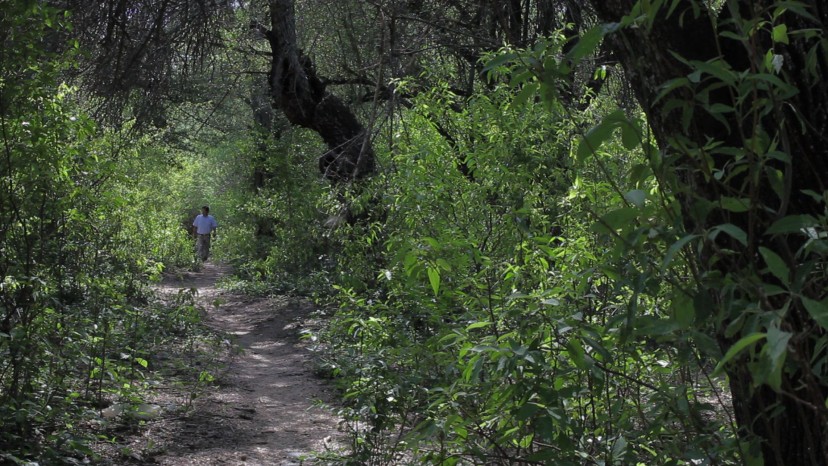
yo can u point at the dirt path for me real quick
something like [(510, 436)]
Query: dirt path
[(262, 408)]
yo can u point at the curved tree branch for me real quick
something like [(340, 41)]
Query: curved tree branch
[(301, 95)]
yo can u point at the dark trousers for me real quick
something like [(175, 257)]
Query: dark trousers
[(203, 246)]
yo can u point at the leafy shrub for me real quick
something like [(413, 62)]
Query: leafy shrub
[(483, 321)]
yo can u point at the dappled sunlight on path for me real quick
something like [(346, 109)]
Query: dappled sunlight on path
[(263, 407)]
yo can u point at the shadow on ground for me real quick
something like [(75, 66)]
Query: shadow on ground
[(263, 406)]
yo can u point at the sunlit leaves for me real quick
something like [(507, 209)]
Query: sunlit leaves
[(780, 33), (629, 278), (434, 279), (68, 279)]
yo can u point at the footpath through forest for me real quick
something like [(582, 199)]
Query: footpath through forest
[(263, 406)]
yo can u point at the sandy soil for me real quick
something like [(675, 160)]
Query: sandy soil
[(263, 408)]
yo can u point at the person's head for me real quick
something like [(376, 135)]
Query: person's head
[(205, 210)]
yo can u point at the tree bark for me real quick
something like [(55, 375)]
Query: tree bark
[(648, 54), (299, 93)]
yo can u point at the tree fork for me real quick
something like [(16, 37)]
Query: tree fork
[(299, 93)]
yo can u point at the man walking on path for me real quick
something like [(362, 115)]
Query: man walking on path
[(204, 226)]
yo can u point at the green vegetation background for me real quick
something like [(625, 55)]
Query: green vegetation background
[(540, 306)]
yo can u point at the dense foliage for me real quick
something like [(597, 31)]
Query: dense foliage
[(500, 326), (520, 263), (80, 240)]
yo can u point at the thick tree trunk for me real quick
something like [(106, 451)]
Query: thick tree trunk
[(300, 94), (797, 434)]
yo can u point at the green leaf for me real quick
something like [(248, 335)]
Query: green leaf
[(527, 410), (411, 263), (794, 6), (674, 249), (773, 62), (629, 135), (593, 139), (752, 457), (776, 265), (444, 264), (732, 35), (670, 86), (734, 204), (619, 448), (577, 353), (737, 348), (769, 82), (717, 68), (636, 197), (639, 172), (817, 309), (432, 242), (780, 34), (791, 224), (499, 61), (731, 230), (721, 108), (434, 279), (776, 349), (588, 43), (615, 220), (528, 91), (472, 370), (478, 325), (684, 310), (601, 132)]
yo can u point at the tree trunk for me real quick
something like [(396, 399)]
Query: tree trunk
[(299, 93), (264, 132), (790, 420)]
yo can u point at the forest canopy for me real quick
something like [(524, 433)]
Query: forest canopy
[(541, 231)]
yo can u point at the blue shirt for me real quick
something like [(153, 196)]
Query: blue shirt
[(204, 225)]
